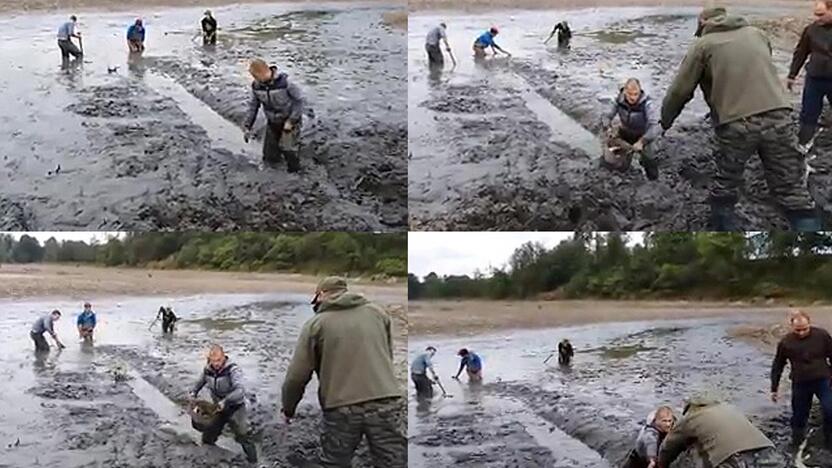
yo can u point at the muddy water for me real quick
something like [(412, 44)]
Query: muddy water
[(158, 142), (69, 409), (507, 144), (527, 413)]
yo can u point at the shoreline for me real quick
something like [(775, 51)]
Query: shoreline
[(467, 318), (12, 8), (23, 281)]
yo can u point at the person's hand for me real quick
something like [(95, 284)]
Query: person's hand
[(286, 415), (790, 84), (61, 345), (220, 405), (247, 135), (638, 146), (455, 377), (288, 126), (774, 397), (652, 464)]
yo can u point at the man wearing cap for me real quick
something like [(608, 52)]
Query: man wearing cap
[(471, 362), (65, 34), (86, 322), (486, 40), (749, 116), (809, 351), (282, 104), (435, 57), (721, 435), (209, 29), (42, 325), (135, 36), (348, 345)]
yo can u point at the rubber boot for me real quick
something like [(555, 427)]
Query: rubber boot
[(723, 217), (292, 160), (804, 220), (651, 167), (798, 436), (250, 450)]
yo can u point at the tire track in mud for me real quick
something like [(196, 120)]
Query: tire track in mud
[(571, 192)]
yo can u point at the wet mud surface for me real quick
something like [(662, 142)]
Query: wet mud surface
[(121, 401), (511, 143), (157, 144), (531, 414)]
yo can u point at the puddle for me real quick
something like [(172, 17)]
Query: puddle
[(619, 36), (224, 324)]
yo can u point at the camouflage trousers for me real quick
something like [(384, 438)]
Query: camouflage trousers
[(761, 458), (382, 422), (770, 135)]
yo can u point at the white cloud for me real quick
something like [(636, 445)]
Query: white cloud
[(462, 253), (86, 236)]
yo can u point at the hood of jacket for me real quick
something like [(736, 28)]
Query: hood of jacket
[(724, 23), (342, 301), (279, 80), (622, 99)]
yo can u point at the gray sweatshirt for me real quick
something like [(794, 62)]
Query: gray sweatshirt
[(281, 100), (225, 384)]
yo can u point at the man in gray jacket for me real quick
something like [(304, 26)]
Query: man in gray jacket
[(225, 382), (283, 107)]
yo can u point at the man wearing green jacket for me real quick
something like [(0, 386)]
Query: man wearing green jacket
[(749, 116), (721, 435), (348, 344)]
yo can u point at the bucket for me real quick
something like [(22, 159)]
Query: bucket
[(204, 415)]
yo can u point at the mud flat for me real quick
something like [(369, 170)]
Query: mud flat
[(68, 409), (158, 143), (587, 415), (509, 144)]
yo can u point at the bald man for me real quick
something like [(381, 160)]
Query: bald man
[(808, 350), (225, 382)]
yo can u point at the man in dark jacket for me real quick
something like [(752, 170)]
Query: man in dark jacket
[(751, 116), (563, 32), (565, 352), (283, 107), (348, 345), (639, 126), (809, 351), (168, 319), (209, 29), (225, 382), (814, 45), (721, 435)]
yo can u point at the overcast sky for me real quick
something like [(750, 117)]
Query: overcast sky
[(85, 236), (461, 253)]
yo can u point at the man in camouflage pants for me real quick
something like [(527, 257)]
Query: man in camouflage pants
[(348, 344), (749, 116)]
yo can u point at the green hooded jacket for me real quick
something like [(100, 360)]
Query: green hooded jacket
[(348, 344), (732, 61), (715, 430)]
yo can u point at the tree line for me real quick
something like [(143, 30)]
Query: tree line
[(330, 252), (702, 265)]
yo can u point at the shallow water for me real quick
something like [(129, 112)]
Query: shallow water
[(158, 142), (67, 409), (586, 415)]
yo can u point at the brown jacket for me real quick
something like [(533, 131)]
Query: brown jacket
[(716, 431)]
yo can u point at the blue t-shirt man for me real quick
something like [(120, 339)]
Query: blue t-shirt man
[(86, 321), (486, 40), (471, 362)]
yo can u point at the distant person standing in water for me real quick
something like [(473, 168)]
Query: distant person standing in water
[(209, 29), (486, 40), (563, 32), (135, 36), (435, 57), (565, 352), (472, 363), (65, 34)]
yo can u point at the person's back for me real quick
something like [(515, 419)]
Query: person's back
[(732, 50), (353, 345), (717, 430)]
